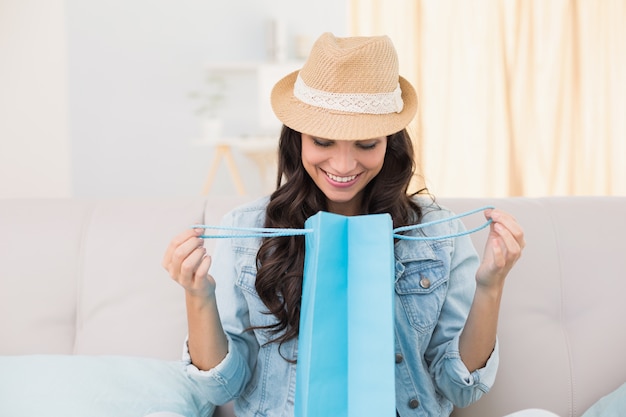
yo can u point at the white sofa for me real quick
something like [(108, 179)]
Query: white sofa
[(83, 277)]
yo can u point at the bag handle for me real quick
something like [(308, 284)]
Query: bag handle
[(249, 232), (444, 220), (262, 232)]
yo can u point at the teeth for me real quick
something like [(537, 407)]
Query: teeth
[(340, 179)]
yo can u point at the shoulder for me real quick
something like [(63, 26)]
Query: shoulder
[(247, 215), (436, 220), (439, 225), (431, 210), (251, 214)]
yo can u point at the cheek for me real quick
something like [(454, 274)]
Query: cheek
[(374, 161), (309, 168), (311, 156), (308, 164)]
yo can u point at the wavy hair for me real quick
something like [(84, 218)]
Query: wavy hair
[(280, 260)]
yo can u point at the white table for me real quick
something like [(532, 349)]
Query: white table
[(261, 150)]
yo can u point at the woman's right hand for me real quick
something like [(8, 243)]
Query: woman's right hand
[(187, 262)]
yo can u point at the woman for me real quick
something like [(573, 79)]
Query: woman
[(343, 149)]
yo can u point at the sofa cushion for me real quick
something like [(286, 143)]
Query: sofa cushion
[(96, 386), (611, 405)]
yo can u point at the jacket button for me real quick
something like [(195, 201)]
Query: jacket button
[(399, 358), (425, 283), (414, 403)]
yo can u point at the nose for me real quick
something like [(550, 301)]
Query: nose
[(344, 161)]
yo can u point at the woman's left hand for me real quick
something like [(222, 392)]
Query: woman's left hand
[(503, 248)]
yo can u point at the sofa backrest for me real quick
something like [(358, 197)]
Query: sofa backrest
[(85, 277), (561, 331)]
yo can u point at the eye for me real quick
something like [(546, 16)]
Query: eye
[(322, 142), (366, 145)]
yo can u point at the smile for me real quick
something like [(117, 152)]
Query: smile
[(340, 179)]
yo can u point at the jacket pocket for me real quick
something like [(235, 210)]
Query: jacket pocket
[(258, 312), (421, 289)]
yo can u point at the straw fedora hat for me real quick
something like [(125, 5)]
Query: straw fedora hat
[(348, 89)]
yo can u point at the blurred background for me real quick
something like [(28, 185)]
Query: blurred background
[(162, 98)]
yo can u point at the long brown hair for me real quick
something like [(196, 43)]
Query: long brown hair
[(280, 260)]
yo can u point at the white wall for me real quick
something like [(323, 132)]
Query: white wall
[(111, 105), (34, 140)]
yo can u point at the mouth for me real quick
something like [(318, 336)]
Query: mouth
[(341, 180)]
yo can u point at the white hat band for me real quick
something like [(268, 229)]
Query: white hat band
[(363, 103)]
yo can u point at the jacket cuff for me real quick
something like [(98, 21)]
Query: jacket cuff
[(483, 378), (223, 382)]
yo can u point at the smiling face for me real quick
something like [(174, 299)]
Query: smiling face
[(342, 168)]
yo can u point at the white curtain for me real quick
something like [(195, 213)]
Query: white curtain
[(516, 97)]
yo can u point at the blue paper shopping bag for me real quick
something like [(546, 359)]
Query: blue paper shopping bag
[(345, 362)]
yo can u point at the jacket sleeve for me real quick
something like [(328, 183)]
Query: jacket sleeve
[(227, 380), (451, 376)]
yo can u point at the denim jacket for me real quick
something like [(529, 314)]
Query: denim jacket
[(434, 288)]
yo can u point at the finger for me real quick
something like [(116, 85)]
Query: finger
[(512, 248), (190, 265), (510, 223), (203, 268), (182, 251), (497, 252), (176, 242)]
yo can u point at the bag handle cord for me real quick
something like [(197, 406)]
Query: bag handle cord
[(262, 232)]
